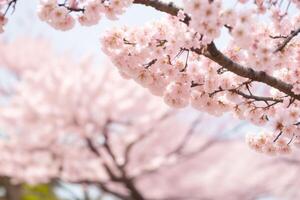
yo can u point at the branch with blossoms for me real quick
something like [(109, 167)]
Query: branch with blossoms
[(214, 54), (260, 76), (211, 88), (257, 98), (269, 101), (206, 77), (287, 39)]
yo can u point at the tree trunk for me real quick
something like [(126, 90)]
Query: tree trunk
[(12, 192)]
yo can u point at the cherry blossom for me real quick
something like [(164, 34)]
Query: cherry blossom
[(253, 76), (59, 15)]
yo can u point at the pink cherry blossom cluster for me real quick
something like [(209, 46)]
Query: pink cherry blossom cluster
[(166, 57), (155, 58), (59, 15), (205, 18), (269, 144)]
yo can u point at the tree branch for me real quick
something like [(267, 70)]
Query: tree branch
[(256, 98), (70, 8), (169, 8), (12, 4), (260, 76), (215, 55), (287, 40)]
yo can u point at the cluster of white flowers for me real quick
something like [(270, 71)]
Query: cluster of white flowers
[(267, 143)]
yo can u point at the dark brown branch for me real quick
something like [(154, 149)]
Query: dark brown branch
[(228, 27), (256, 98), (159, 5), (152, 62), (287, 40), (278, 36), (246, 96), (127, 42), (216, 92), (11, 4), (108, 190), (193, 84), (169, 8), (260, 76), (70, 8), (92, 148), (161, 43), (277, 137)]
